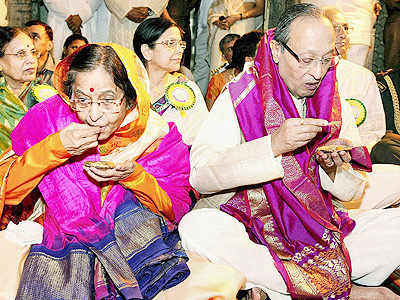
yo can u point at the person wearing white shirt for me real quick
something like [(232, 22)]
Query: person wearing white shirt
[(357, 85), (361, 15), (251, 158), (127, 15), (3, 13), (71, 16)]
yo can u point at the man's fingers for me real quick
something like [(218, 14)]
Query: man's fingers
[(312, 121), (345, 156)]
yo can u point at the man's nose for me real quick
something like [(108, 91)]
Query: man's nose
[(317, 70)]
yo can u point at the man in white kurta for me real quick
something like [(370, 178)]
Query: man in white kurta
[(361, 15), (125, 20), (221, 162), (92, 13), (357, 85)]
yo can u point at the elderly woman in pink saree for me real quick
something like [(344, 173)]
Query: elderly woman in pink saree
[(114, 178)]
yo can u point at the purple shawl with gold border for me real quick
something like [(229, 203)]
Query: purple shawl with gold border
[(294, 217)]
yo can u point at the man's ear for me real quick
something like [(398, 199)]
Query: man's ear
[(147, 52), (276, 50), (50, 46)]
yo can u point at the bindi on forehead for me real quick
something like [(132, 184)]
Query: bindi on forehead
[(91, 90)]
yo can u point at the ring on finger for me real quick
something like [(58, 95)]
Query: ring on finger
[(301, 121)]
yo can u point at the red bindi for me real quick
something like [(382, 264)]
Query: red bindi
[(91, 90)]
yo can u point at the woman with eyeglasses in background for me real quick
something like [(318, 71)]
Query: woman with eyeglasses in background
[(158, 43), (18, 66)]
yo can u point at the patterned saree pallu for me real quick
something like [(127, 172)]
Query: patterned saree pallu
[(93, 249)]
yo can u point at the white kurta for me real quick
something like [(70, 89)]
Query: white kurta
[(3, 13), (60, 10), (122, 30), (227, 8), (219, 161), (358, 83)]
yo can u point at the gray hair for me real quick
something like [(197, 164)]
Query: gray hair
[(227, 39), (282, 30)]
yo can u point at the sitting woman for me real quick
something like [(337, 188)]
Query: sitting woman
[(97, 234), (113, 191), (73, 42), (18, 65), (18, 90), (158, 43)]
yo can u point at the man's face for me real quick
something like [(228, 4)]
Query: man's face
[(40, 39), (228, 50), (309, 38), (341, 28)]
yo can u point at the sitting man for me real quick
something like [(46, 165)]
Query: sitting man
[(260, 150), (42, 36), (226, 46), (357, 85)]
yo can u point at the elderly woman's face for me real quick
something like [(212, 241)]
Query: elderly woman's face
[(98, 101), (168, 50), (19, 62)]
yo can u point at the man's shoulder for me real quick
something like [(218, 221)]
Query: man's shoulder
[(347, 67)]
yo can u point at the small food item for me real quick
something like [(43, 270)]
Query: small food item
[(334, 123), (100, 164), (334, 148)]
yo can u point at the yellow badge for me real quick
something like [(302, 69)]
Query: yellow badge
[(180, 95), (42, 92), (359, 110)]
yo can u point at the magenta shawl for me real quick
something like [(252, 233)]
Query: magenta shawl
[(296, 220), (75, 218)]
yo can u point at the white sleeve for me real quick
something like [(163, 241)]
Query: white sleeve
[(349, 184), (374, 127), (218, 159), (195, 116), (65, 8), (119, 8)]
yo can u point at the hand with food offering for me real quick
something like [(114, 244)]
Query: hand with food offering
[(334, 154), (102, 171)]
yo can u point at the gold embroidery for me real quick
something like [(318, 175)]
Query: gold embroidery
[(395, 100)]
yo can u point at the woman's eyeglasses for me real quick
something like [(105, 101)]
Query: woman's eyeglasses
[(172, 44), (105, 105), (22, 54)]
